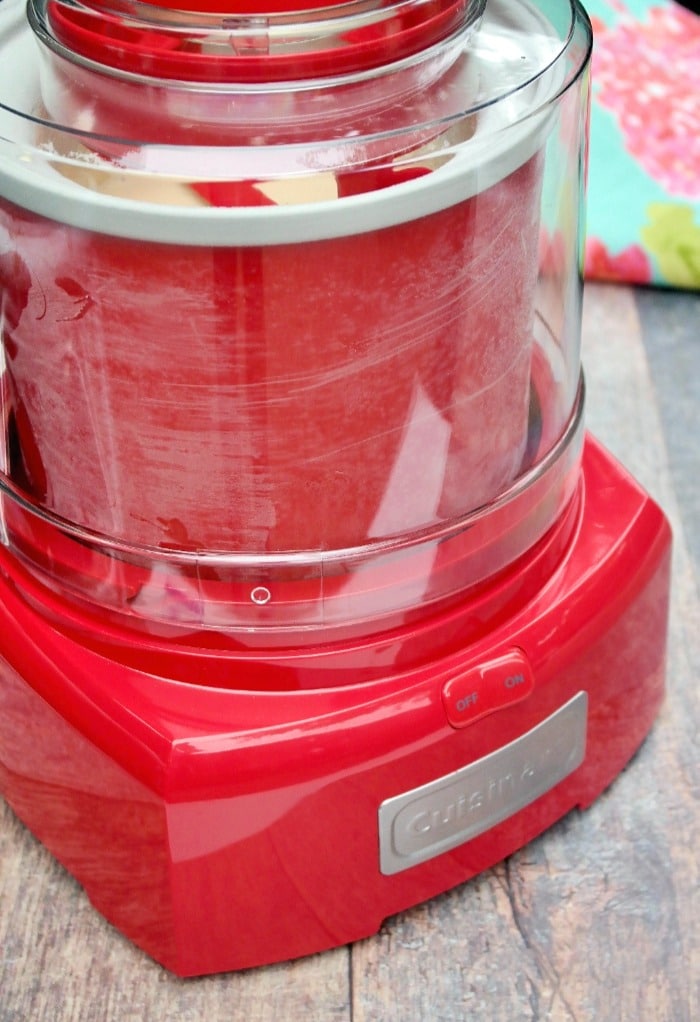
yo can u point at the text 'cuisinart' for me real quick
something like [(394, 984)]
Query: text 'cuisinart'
[(426, 821)]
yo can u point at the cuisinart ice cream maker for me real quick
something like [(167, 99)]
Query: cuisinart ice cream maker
[(315, 597)]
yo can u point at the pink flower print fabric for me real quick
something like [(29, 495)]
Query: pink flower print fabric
[(644, 174)]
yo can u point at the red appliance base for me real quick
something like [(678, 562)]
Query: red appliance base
[(224, 829)]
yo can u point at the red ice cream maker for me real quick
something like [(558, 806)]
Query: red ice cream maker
[(315, 597)]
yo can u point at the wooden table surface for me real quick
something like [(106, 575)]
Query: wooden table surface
[(596, 920)]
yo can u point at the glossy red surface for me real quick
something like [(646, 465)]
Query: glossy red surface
[(161, 49), (220, 829)]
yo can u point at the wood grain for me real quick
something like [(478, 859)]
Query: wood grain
[(597, 920)]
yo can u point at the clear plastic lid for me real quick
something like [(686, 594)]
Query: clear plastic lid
[(246, 41), (293, 352)]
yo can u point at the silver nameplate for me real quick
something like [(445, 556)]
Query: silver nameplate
[(424, 822)]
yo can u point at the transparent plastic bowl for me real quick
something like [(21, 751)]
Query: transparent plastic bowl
[(288, 355)]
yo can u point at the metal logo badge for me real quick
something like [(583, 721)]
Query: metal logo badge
[(424, 822)]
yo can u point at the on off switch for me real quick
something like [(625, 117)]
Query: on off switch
[(490, 686)]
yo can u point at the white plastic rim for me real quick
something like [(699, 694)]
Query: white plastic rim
[(509, 130)]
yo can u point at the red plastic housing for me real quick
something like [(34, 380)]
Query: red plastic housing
[(221, 829)]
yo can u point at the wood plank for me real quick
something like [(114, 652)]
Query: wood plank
[(670, 323), (663, 803), (61, 962), (597, 919)]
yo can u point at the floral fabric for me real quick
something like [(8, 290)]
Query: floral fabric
[(644, 169)]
